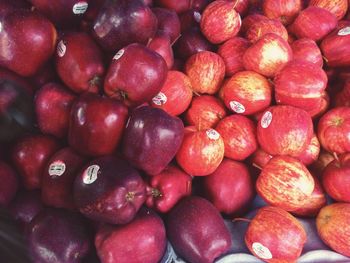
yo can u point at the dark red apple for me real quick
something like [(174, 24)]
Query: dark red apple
[(337, 7), (274, 235), (161, 44), (197, 231), (96, 124), (141, 240), (30, 41), (260, 158), (9, 5), (109, 190), (168, 22), (311, 152), (266, 26), (9, 186), (18, 80), (45, 74), (283, 10), (342, 98), (320, 164), (53, 103), (122, 22), (136, 74), (189, 19), (306, 49), (178, 6)]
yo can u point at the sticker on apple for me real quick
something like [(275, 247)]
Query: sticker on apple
[(160, 99), (61, 49), (213, 134), (237, 107), (197, 16), (90, 174), (57, 168), (80, 8), (261, 251), (119, 54), (344, 31), (266, 119)]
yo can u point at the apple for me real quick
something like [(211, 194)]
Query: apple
[(9, 184), (205, 112), (176, 94), (342, 98), (266, 26), (306, 49), (320, 164), (284, 130), (189, 19), (179, 6), (337, 7), (242, 6), (312, 151), (267, 55), (197, 231), (251, 19), (8, 75), (260, 158), (333, 130), (230, 188), (283, 10), (246, 92), (201, 151), (9, 5), (286, 183), (274, 235), (141, 240), (135, 75), (239, 135), (160, 43), (219, 30), (45, 74), (96, 124), (109, 190), (136, 24), (168, 22)]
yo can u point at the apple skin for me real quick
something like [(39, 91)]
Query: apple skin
[(219, 30), (206, 71), (274, 235), (337, 7), (230, 188), (23, 28), (312, 151), (306, 49), (18, 80), (178, 6), (161, 44), (285, 182), (168, 22), (263, 27), (189, 19), (176, 94), (239, 135), (284, 130), (246, 92), (136, 24), (333, 130), (204, 146), (135, 75), (81, 69), (141, 240), (197, 231), (333, 222), (45, 74), (151, 139), (9, 184), (53, 103), (320, 164), (29, 156), (260, 158), (342, 98), (283, 10), (205, 112), (268, 55), (251, 19)]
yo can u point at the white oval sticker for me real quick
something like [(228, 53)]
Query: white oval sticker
[(160, 99), (90, 174), (61, 49), (213, 134), (344, 31), (119, 54), (197, 16), (57, 168), (266, 119), (261, 251), (80, 8), (237, 107)]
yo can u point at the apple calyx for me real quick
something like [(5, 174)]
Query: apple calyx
[(156, 193), (95, 82), (130, 196)]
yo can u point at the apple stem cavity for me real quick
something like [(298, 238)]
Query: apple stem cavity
[(95, 82), (156, 193), (130, 196)]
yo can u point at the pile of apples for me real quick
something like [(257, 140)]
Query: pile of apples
[(125, 124)]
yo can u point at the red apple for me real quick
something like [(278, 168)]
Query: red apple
[(286, 183), (246, 92), (312, 151), (190, 19), (337, 7), (176, 94), (179, 6), (274, 235), (239, 135), (160, 43), (242, 6), (251, 19), (260, 158), (320, 164), (168, 22), (230, 188), (205, 112), (307, 50), (266, 26), (9, 186), (342, 98), (206, 71), (268, 55), (285, 130), (284, 10), (45, 74), (201, 152), (20, 81), (219, 30)]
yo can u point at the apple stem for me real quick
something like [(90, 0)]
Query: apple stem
[(234, 6), (257, 166), (172, 43), (196, 93), (241, 219), (335, 155), (325, 59)]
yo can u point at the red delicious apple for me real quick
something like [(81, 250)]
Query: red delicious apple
[(246, 92), (239, 135), (122, 22), (179, 6), (30, 41), (307, 50), (96, 124), (242, 6), (167, 188), (205, 112), (314, 23), (333, 130), (312, 151), (160, 43), (175, 95), (337, 7), (197, 231), (93, 9), (260, 158), (342, 98), (45, 74), (141, 240), (201, 151), (232, 52), (109, 190), (268, 55), (283, 10), (227, 26), (286, 183), (9, 5), (20, 81), (189, 19), (53, 103), (136, 74), (168, 22), (266, 26), (30, 155), (206, 71), (274, 235), (230, 188), (285, 130), (9, 186)]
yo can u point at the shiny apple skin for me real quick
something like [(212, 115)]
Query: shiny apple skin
[(337, 7), (168, 22), (311, 152), (283, 10), (161, 44), (306, 49), (263, 27)]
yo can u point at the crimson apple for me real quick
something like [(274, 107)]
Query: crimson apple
[(320, 164), (179, 6), (45, 74), (160, 43), (251, 19), (337, 7), (266, 26), (342, 98), (260, 158), (311, 152), (168, 22), (189, 19), (284, 10), (306, 49), (9, 186), (8, 75), (242, 6)]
